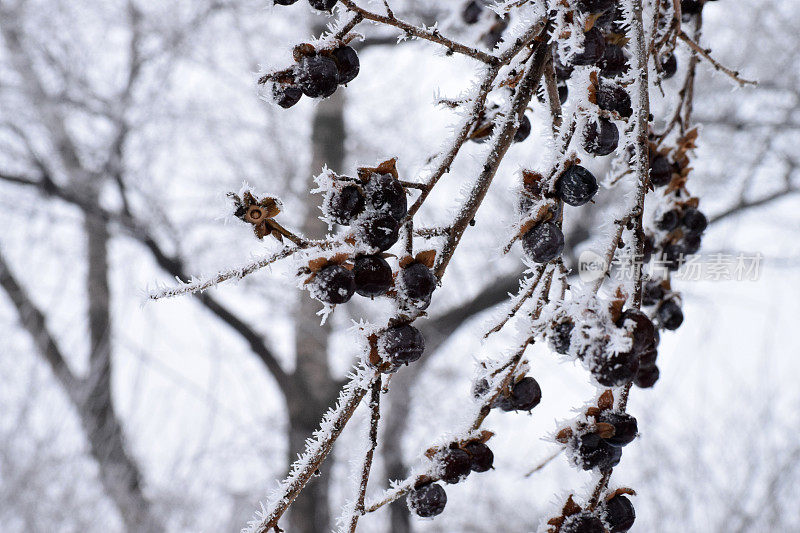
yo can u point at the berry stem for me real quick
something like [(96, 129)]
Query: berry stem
[(705, 54), (375, 415)]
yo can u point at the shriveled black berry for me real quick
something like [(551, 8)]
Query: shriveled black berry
[(525, 395), (284, 2), (660, 170), (384, 192), (563, 92), (648, 248), (614, 370), (524, 129), (472, 12), (614, 61), (669, 315), (669, 220), (652, 293), (427, 500), (600, 138), (562, 336), (576, 186), (647, 358), (286, 95), (347, 63), (595, 6), (401, 344), (614, 98), (594, 44), (646, 377), (543, 243), (334, 284), (619, 514), (480, 456), (373, 275), (322, 5), (644, 331), (691, 243), (625, 427), (594, 452), (455, 465), (694, 221), (582, 523), (378, 230), (691, 7), (418, 281), (344, 205), (673, 256), (317, 76), (669, 66)]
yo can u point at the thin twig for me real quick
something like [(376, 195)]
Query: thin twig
[(705, 54), (375, 410)]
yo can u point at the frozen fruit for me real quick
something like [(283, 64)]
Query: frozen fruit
[(616, 369), (543, 243), (648, 248), (284, 2), (669, 66), (562, 336), (594, 44), (653, 293), (334, 284), (384, 192), (691, 7), (455, 465), (619, 514), (576, 185), (401, 344), (660, 170), (669, 315), (378, 230), (625, 427), (669, 220), (347, 63), (344, 205), (691, 243), (647, 377), (673, 256), (643, 330), (601, 137), (614, 98), (614, 61), (322, 5), (563, 72), (524, 129), (648, 358), (317, 76), (563, 92), (595, 6), (427, 500), (373, 275), (418, 281), (694, 221), (594, 452), (472, 12), (286, 95), (480, 455), (582, 523), (525, 395)]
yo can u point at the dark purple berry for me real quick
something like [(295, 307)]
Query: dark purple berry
[(525, 395), (615, 370), (427, 500), (614, 98), (669, 66), (286, 95), (334, 284), (582, 523), (691, 7), (524, 129), (373, 275), (619, 514), (694, 221), (600, 138), (576, 186), (647, 377), (401, 345), (625, 427), (669, 220), (594, 452), (322, 5), (543, 243), (472, 12), (691, 243), (344, 205), (595, 6), (673, 256), (614, 61), (284, 2), (660, 170), (594, 44), (384, 192), (455, 465), (562, 336), (481, 456), (317, 76), (648, 358), (648, 248), (418, 281), (378, 230), (669, 315), (347, 63), (563, 72), (653, 293), (563, 92), (644, 332)]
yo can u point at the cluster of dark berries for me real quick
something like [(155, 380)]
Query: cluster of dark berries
[(662, 169), (684, 226), (614, 515), (335, 281), (668, 312), (316, 74), (522, 395), (637, 364), (485, 124), (322, 5), (612, 97)]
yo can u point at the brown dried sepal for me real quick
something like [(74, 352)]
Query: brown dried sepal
[(564, 435), (593, 87), (615, 308), (619, 39), (620, 491), (692, 202), (590, 21), (593, 411), (606, 400), (387, 167), (570, 508), (426, 257), (532, 183), (303, 50), (604, 430), (259, 213)]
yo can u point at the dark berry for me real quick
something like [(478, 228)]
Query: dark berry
[(563, 92), (562, 336), (472, 12), (669, 66), (625, 427), (691, 243), (344, 205), (594, 44), (286, 95), (669, 315), (647, 377), (582, 523), (614, 61), (373, 275), (378, 230), (524, 129), (648, 357), (384, 192), (673, 256), (317, 76), (322, 5), (619, 514), (600, 138), (543, 243), (648, 248), (644, 331), (334, 284), (691, 7), (525, 395), (595, 6), (347, 63), (284, 2), (614, 98), (427, 500), (455, 465), (595, 452), (660, 171), (418, 281), (694, 221), (614, 370), (653, 293), (669, 220), (563, 72), (401, 344), (576, 186), (481, 456)]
